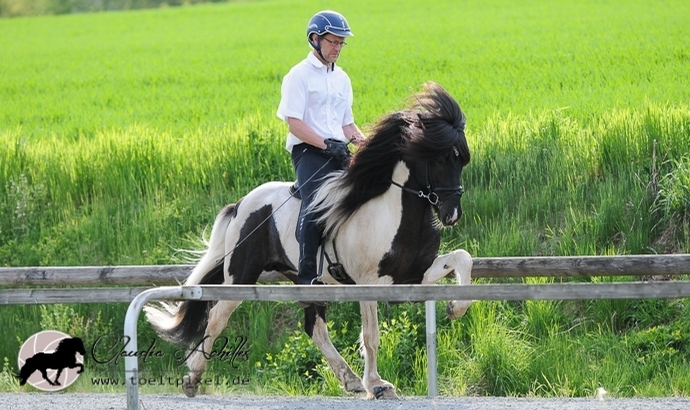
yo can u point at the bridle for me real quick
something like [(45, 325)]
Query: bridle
[(432, 195)]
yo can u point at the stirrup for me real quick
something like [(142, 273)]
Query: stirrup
[(305, 304)]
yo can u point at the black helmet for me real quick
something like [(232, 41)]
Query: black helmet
[(328, 21)]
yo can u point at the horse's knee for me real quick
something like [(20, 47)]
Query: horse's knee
[(463, 266)]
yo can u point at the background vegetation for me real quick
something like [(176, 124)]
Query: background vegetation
[(15, 8), (122, 135)]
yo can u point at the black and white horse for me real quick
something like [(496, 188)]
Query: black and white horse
[(381, 217)]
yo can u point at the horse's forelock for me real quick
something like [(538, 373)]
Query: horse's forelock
[(440, 125)]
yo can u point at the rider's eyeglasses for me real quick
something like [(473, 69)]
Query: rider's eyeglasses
[(335, 43)]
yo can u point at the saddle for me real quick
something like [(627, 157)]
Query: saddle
[(294, 191)]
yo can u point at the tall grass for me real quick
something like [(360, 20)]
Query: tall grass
[(133, 192), (123, 134), (187, 68)]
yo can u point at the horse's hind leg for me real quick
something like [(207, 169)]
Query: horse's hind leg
[(217, 321), (374, 385), (459, 262), (57, 376), (315, 327)]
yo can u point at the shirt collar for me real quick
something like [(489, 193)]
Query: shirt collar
[(313, 60)]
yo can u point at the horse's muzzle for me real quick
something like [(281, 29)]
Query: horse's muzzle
[(450, 218)]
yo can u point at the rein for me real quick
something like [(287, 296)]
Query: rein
[(432, 196)]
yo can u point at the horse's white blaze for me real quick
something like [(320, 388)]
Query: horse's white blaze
[(454, 217)]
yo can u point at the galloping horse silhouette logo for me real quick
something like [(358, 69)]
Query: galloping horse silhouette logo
[(46, 356)]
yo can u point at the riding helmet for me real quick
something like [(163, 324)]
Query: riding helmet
[(328, 21)]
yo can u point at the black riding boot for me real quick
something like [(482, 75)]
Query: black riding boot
[(309, 240)]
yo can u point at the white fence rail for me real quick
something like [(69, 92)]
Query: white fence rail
[(28, 284), (37, 285)]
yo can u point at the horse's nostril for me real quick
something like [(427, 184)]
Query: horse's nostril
[(452, 218)]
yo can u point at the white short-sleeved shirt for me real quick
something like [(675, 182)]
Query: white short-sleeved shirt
[(320, 97)]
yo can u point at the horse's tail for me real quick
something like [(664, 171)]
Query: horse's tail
[(186, 321)]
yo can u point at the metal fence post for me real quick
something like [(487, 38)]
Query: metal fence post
[(133, 311), (432, 377)]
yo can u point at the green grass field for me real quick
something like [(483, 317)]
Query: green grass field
[(122, 134)]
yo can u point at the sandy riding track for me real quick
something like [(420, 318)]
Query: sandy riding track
[(95, 401)]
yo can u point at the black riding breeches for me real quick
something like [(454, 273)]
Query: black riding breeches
[(311, 166)]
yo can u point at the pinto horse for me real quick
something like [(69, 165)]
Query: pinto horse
[(381, 217)]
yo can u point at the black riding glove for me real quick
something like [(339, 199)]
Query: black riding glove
[(338, 150)]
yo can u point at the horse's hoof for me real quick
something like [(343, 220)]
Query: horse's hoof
[(190, 389), (385, 393), (457, 308)]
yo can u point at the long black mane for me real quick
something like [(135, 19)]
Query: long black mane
[(431, 126), (70, 345)]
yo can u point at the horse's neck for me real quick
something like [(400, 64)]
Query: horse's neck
[(401, 173), (417, 207)]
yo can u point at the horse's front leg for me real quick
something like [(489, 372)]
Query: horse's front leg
[(374, 385), (460, 262), (315, 327)]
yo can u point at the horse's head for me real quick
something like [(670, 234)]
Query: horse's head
[(429, 138), (436, 151), (74, 345)]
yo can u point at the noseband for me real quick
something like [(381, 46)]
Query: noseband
[(432, 195)]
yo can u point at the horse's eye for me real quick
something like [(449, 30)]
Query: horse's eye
[(440, 160)]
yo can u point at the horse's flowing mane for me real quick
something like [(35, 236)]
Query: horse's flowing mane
[(69, 344), (432, 125), (63, 345)]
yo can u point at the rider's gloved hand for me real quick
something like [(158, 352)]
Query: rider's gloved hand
[(338, 150)]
